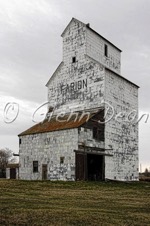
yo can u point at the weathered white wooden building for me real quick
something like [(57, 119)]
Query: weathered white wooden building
[(91, 129)]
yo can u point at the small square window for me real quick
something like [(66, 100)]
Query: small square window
[(95, 132), (73, 59), (98, 134), (106, 50), (35, 166), (62, 160)]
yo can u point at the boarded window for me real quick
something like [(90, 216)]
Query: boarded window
[(106, 50), (98, 134), (95, 132), (35, 166), (73, 59), (62, 160)]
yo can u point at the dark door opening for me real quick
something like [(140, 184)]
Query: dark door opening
[(44, 172), (80, 166), (2, 173), (95, 167), (90, 166), (12, 173)]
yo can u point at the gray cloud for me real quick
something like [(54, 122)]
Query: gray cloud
[(31, 46)]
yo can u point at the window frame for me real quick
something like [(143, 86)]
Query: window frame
[(62, 159), (74, 59), (97, 134), (35, 167), (106, 50)]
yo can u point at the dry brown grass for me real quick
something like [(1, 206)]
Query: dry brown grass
[(74, 203)]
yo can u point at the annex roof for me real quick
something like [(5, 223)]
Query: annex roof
[(61, 122)]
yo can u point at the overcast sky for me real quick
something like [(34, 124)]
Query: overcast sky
[(31, 49)]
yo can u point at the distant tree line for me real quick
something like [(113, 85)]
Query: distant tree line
[(6, 155), (146, 173)]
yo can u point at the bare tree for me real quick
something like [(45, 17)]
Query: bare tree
[(147, 173), (5, 156)]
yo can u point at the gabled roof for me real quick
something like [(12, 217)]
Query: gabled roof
[(108, 69), (66, 121), (88, 27), (59, 66), (73, 19)]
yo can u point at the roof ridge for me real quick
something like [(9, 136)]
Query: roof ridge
[(70, 23)]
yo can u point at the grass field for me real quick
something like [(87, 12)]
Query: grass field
[(74, 203)]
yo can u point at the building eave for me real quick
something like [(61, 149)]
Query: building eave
[(102, 37), (88, 27), (66, 123), (106, 68), (59, 66)]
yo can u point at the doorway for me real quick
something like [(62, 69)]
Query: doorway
[(81, 166), (12, 173), (95, 167), (44, 172), (90, 166)]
